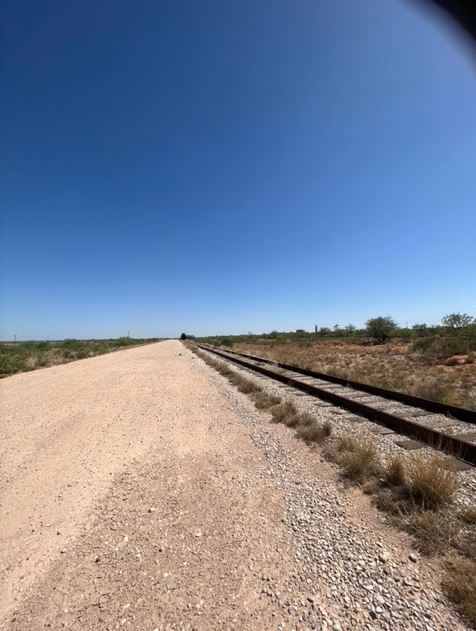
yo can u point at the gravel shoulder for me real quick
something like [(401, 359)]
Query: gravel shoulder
[(140, 490)]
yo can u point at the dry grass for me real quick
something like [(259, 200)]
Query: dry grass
[(468, 516), (244, 385), (307, 428), (285, 412), (395, 365), (264, 401), (459, 582), (358, 459), (435, 532), (429, 484), (395, 471), (346, 443), (309, 433), (314, 432)]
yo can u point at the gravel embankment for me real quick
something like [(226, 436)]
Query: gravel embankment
[(361, 574), (345, 423)]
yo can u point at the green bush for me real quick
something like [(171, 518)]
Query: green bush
[(381, 328)]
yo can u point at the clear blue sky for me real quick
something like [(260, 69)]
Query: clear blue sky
[(233, 166)]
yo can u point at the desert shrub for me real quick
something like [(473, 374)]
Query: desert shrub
[(441, 348), (225, 341), (381, 328), (434, 531)]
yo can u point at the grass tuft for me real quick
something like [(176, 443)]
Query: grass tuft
[(264, 401), (284, 411), (395, 471), (359, 459), (314, 432), (435, 531), (429, 484)]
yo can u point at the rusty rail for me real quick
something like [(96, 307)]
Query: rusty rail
[(453, 445)]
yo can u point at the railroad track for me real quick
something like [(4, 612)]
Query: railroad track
[(445, 427)]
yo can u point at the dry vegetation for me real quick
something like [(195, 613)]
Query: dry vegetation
[(25, 356), (417, 496), (396, 365)]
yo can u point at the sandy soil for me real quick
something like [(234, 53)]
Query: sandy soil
[(139, 490)]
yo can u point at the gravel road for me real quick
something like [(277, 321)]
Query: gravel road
[(139, 490)]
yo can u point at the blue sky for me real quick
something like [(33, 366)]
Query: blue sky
[(233, 166)]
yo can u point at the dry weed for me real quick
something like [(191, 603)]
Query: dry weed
[(429, 484), (395, 471), (459, 582)]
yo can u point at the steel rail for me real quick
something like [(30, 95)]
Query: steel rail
[(453, 445), (462, 414)]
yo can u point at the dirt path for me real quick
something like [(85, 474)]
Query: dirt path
[(140, 491)]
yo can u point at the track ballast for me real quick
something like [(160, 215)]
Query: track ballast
[(444, 427)]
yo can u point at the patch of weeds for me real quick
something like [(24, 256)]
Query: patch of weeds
[(264, 401), (459, 583), (395, 471), (359, 459), (313, 432), (429, 484), (245, 385), (283, 411), (390, 501), (434, 531), (346, 443)]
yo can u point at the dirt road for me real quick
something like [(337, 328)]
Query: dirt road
[(140, 491)]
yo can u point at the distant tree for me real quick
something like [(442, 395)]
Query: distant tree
[(183, 336), (381, 328), (324, 330), (420, 329), (457, 320), (350, 328)]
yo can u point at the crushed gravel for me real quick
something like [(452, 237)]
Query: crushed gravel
[(359, 574), (346, 423)]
